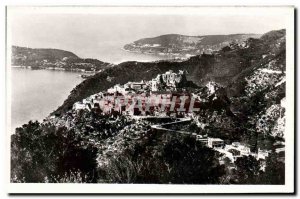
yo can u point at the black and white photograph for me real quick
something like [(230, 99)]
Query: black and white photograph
[(150, 99)]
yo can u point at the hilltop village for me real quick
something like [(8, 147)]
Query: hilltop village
[(166, 107), (155, 97)]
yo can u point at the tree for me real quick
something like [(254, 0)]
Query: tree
[(275, 170), (247, 170), (177, 161), (42, 151), (192, 163)]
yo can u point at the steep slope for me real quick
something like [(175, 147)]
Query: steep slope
[(258, 92), (260, 53)]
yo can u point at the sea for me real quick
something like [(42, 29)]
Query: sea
[(36, 93)]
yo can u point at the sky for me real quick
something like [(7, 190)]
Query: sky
[(83, 32)]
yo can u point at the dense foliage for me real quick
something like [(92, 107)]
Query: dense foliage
[(42, 152), (178, 162)]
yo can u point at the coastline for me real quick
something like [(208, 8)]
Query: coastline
[(175, 56), (55, 69)]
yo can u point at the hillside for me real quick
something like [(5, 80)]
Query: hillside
[(182, 45), (40, 58), (227, 67)]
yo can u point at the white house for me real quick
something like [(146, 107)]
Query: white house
[(215, 142), (79, 106)]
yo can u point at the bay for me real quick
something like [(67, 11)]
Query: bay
[(36, 93), (113, 52)]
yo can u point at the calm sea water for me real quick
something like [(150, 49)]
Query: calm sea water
[(112, 52), (36, 93)]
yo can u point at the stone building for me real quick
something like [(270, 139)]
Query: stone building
[(168, 81)]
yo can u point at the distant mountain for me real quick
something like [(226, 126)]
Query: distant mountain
[(182, 45), (42, 58), (229, 67)]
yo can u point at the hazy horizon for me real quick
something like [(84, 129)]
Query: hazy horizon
[(89, 35)]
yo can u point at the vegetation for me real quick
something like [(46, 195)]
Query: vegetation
[(42, 152), (177, 162)]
